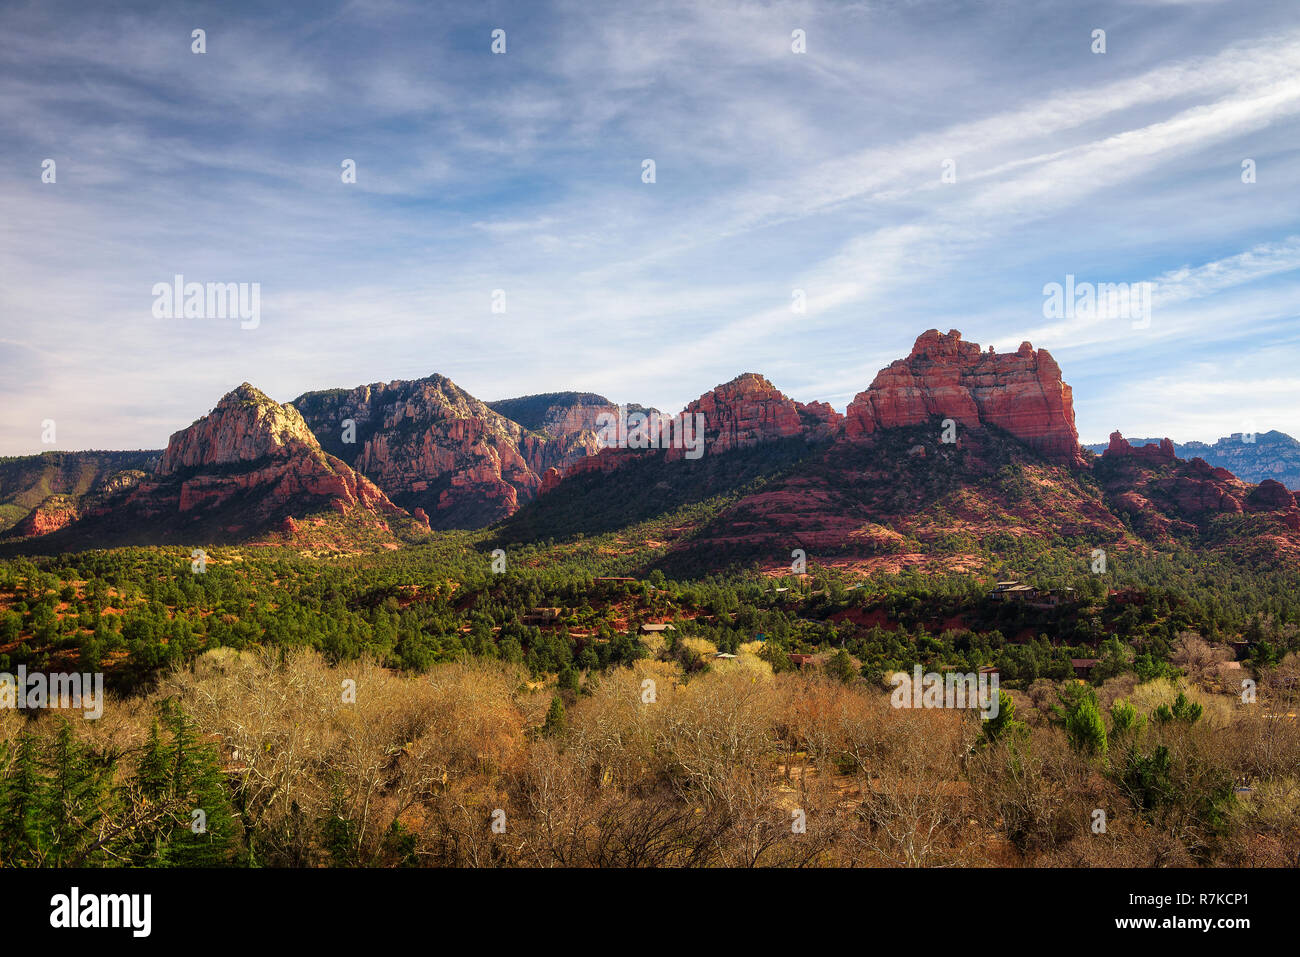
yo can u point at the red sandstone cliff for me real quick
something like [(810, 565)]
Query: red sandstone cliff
[(248, 468), (1164, 494), (947, 378), (56, 512), (746, 411), (943, 377), (429, 445), (260, 454)]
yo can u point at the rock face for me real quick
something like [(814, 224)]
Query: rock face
[(550, 479), (246, 426), (870, 482), (1252, 458), (819, 420), (249, 468), (1156, 452), (28, 481), (945, 377), (571, 421), (56, 512), (746, 411), (431, 445), (254, 450), (1165, 495)]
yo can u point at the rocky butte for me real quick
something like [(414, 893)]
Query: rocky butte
[(746, 411), (250, 442), (429, 445), (249, 467), (943, 376), (462, 462), (1168, 493)]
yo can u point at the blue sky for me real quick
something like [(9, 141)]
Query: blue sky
[(522, 172)]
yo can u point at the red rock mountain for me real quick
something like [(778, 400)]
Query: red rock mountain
[(879, 485), (431, 445), (1167, 496), (41, 493), (742, 413), (249, 468), (746, 411), (249, 443), (878, 480), (945, 377)]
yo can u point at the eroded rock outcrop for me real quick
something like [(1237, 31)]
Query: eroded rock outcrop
[(746, 411), (246, 426), (430, 445), (1164, 494), (465, 463), (56, 512), (249, 468), (1251, 457), (572, 424), (28, 481), (1155, 452), (945, 377), (262, 453), (819, 420)]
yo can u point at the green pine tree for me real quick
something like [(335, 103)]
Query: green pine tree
[(20, 804), (73, 798), (554, 718), (1085, 728)]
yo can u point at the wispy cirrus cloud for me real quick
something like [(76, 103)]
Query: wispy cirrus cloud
[(522, 172)]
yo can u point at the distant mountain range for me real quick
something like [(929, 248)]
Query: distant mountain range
[(1271, 455), (47, 488), (950, 450)]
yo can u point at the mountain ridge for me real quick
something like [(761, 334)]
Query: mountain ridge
[(1272, 455), (948, 448)]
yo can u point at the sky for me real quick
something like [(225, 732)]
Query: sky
[(920, 165)]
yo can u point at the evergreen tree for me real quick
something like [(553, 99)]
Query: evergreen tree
[(1086, 730), (554, 718), (1184, 711), (20, 817), (1003, 724), (72, 798), (841, 667)]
